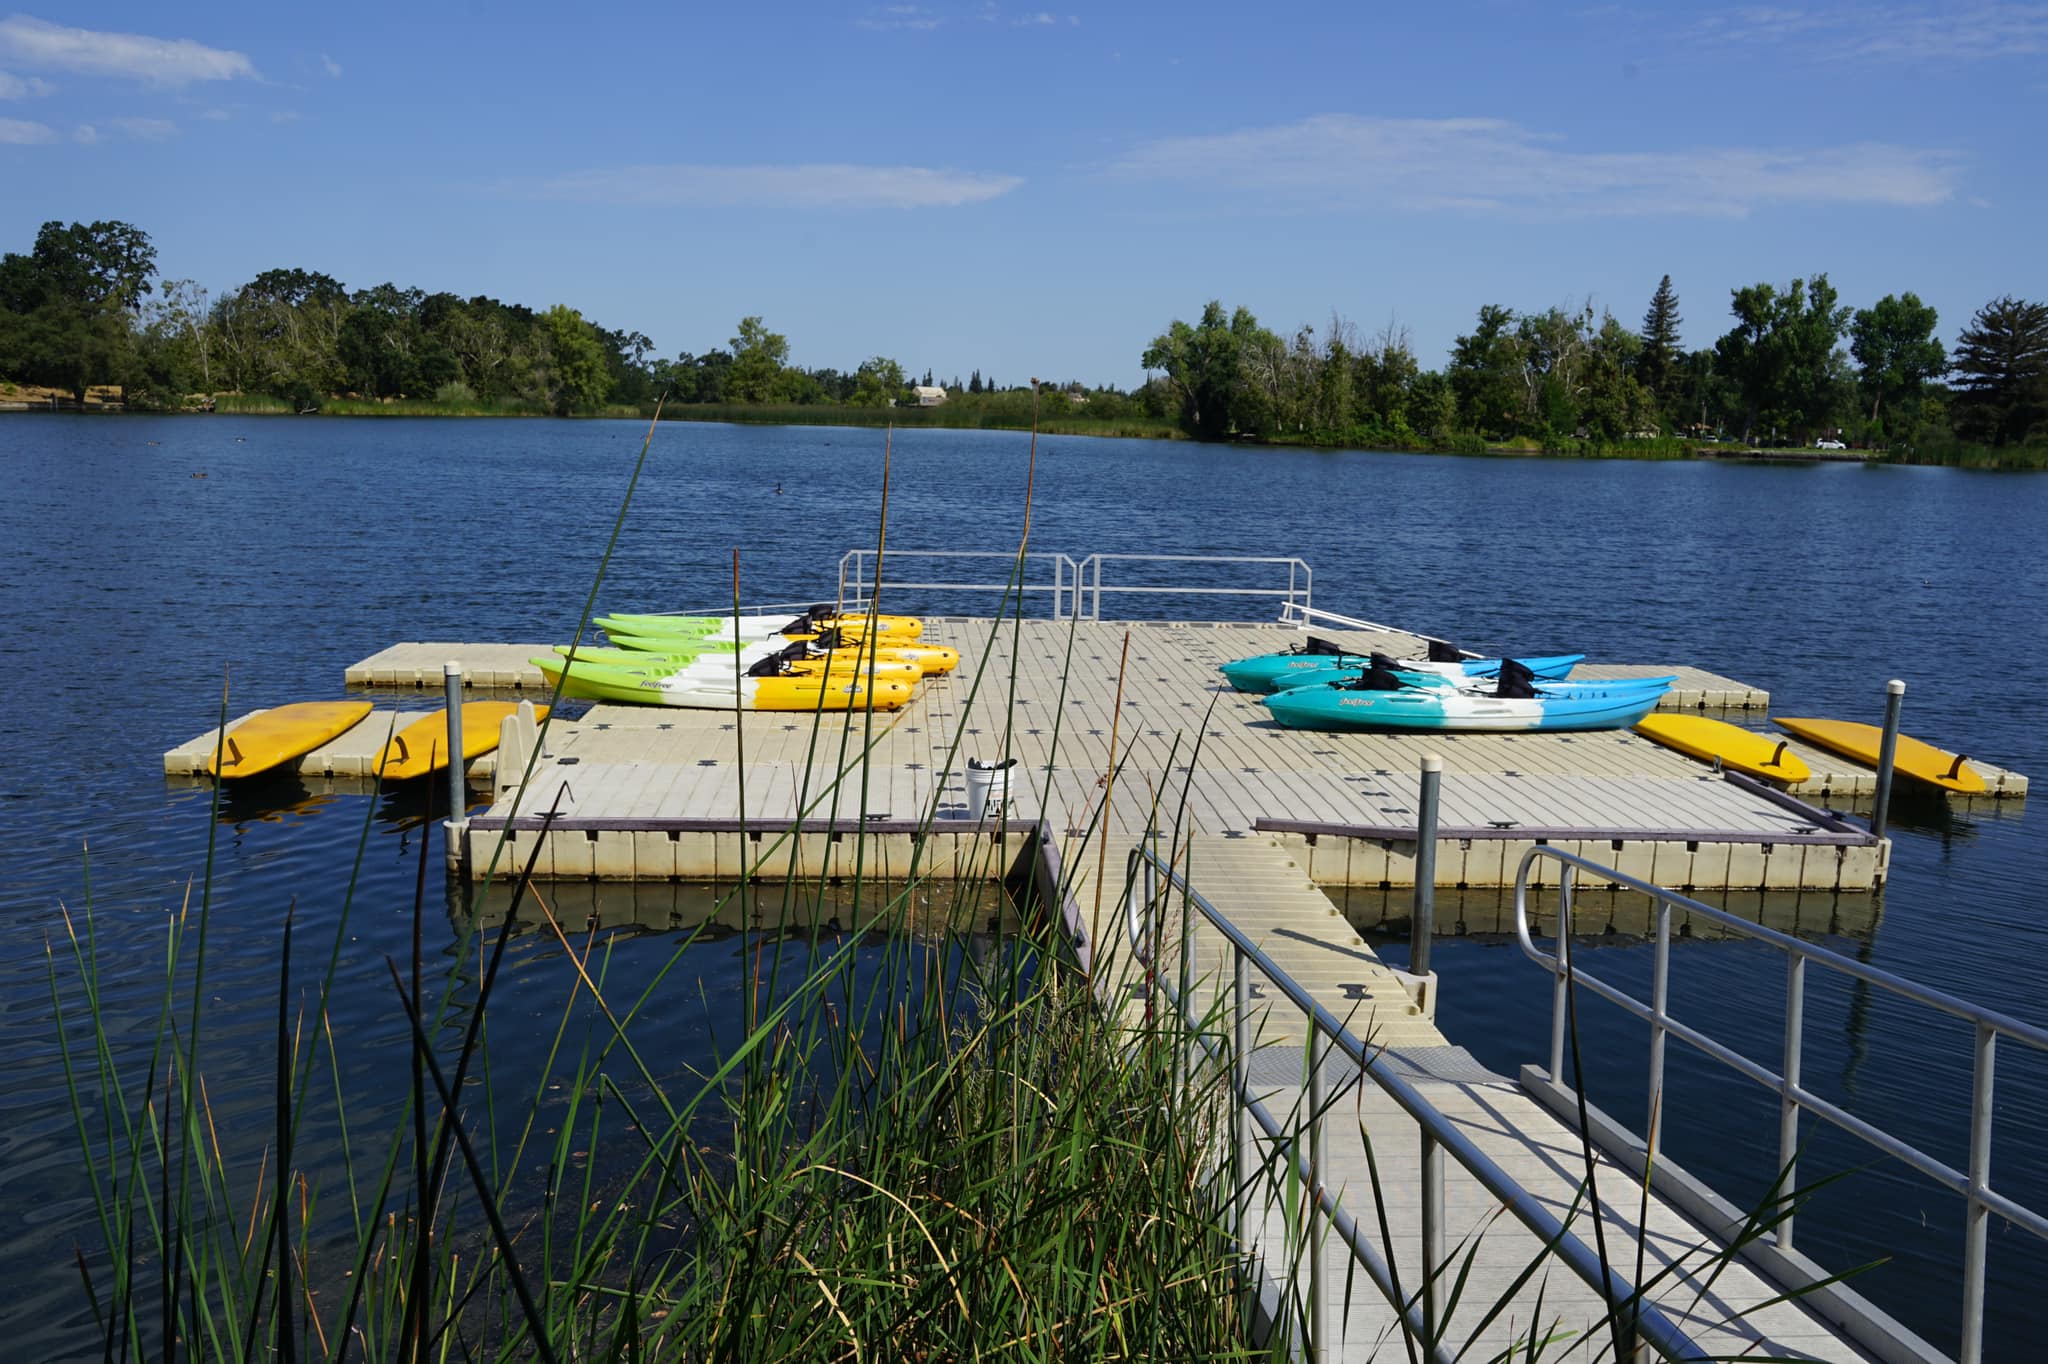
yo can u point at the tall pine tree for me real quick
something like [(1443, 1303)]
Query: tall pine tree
[(1658, 360)]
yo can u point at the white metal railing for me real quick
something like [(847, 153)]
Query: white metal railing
[(1296, 594), (1300, 1140), (1973, 1184), (859, 571), (1306, 616)]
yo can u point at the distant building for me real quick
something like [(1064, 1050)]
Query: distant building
[(928, 395)]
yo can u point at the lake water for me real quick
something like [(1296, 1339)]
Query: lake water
[(135, 587)]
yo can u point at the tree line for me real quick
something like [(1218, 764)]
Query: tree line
[(1797, 365), (84, 306)]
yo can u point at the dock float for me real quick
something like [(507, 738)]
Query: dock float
[(647, 792)]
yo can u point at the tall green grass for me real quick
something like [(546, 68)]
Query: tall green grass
[(935, 1142)]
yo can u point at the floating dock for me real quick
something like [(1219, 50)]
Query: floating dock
[(658, 793)]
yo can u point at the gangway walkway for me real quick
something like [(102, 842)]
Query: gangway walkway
[(1264, 950)]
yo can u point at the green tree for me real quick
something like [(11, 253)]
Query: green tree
[(1660, 351), (1208, 368), (1896, 351), (877, 383), (1486, 373), (758, 357), (580, 378), (1782, 355), (2001, 373)]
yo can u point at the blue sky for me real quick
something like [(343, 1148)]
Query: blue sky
[(1031, 191)]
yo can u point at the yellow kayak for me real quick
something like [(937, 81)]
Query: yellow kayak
[(1912, 758), (272, 737), (1737, 749), (422, 746)]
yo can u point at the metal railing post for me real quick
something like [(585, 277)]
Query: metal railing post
[(1894, 697), (1660, 998), (458, 780), (1788, 1105), (1241, 1129), (1976, 1215), (1432, 1233), (1422, 924), (1319, 1338), (1559, 981)]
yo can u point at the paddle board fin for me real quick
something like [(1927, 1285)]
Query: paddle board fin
[(1956, 768), (235, 749), (1777, 755)]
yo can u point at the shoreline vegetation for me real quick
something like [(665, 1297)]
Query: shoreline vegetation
[(1799, 372)]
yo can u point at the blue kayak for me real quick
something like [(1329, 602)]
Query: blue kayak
[(1588, 705), (1263, 672), (1551, 687)]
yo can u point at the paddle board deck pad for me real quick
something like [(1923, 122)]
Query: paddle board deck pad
[(277, 736), (1735, 748), (422, 746), (1912, 758)]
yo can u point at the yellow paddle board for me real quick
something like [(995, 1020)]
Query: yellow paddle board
[(1924, 762), (422, 746), (276, 736), (1737, 749)]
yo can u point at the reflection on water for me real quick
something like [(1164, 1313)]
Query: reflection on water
[(1597, 912), (796, 908)]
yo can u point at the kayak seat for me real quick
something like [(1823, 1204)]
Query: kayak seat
[(1516, 682)]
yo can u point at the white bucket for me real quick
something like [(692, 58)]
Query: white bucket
[(988, 786)]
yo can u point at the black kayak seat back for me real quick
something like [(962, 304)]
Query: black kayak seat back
[(1516, 682), (1322, 646), (1441, 651), (830, 639), (1374, 678), (1386, 661), (802, 625), (778, 662)]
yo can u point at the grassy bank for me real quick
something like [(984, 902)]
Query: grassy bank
[(965, 417)]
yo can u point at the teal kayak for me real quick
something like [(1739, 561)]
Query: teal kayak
[(1264, 672), (1378, 700)]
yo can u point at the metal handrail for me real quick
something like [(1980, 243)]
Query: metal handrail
[(1064, 587), (1305, 616), (767, 608), (1988, 1025), (1088, 594), (1439, 1136)]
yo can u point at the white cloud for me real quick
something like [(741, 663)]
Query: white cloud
[(1877, 32), (144, 129), (914, 17), (285, 116), (333, 66), (166, 62), (19, 87), (1491, 165), (1036, 20), (18, 132), (215, 115), (85, 133), (817, 186)]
